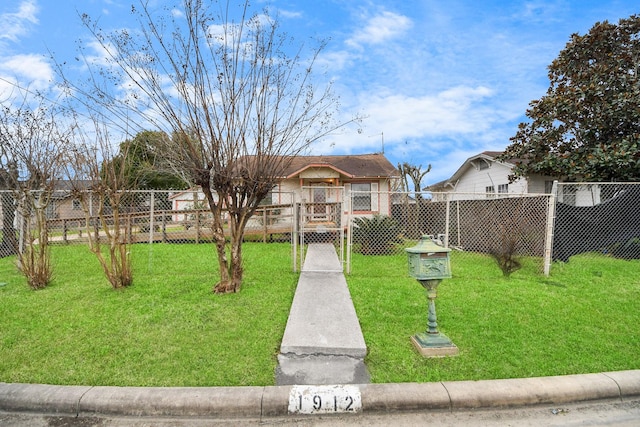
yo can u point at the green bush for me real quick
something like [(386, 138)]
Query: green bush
[(376, 235)]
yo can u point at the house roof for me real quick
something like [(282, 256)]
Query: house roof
[(487, 156), (353, 166)]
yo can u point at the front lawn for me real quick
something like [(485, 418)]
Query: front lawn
[(168, 329), (583, 318)]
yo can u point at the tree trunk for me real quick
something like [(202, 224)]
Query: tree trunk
[(220, 241), (238, 222)]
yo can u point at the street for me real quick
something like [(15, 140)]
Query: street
[(599, 413)]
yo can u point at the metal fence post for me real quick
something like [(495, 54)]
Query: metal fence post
[(295, 226), (548, 241), (447, 221), (348, 203), (151, 216)]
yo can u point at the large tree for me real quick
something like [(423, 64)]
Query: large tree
[(236, 96), (144, 165), (587, 126)]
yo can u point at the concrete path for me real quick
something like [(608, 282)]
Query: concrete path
[(323, 341)]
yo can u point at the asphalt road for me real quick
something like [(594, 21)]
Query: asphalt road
[(598, 413)]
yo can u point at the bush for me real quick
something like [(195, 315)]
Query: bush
[(376, 235)]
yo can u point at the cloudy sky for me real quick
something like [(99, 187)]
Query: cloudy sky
[(438, 81)]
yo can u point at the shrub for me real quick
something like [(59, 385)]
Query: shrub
[(376, 235)]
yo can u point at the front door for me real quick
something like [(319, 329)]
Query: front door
[(319, 197)]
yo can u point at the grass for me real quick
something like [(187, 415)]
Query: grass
[(581, 319), (168, 329)]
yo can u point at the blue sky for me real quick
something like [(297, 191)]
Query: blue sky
[(437, 81)]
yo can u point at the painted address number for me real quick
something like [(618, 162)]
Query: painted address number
[(305, 399)]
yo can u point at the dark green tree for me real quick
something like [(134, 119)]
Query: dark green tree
[(143, 168), (587, 126)]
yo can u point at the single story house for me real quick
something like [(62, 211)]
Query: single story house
[(359, 183), (482, 173), (187, 200), (362, 181)]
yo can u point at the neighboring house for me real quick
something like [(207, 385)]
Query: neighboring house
[(482, 173), (187, 200)]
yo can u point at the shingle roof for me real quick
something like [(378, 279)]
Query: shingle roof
[(353, 166)]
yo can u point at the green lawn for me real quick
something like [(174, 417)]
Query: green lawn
[(583, 318), (168, 329)]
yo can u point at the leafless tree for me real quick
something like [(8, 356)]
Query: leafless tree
[(414, 215), (236, 97), (31, 144), (99, 182)]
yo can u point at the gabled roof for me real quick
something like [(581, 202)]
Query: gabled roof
[(351, 166), (485, 156)]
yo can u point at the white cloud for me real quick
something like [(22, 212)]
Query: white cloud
[(15, 24), (289, 14), (380, 28), (441, 120), (28, 71), (458, 110)]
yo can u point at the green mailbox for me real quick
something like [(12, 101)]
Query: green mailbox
[(429, 263), (428, 260)]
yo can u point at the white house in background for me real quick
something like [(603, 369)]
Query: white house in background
[(187, 200), (482, 173)]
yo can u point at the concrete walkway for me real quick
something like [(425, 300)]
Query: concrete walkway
[(323, 341)]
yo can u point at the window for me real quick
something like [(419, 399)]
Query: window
[(490, 190), (361, 196), (503, 188), (76, 205), (268, 199)]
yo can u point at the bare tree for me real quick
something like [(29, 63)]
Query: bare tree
[(415, 174), (236, 97), (31, 144), (100, 183)]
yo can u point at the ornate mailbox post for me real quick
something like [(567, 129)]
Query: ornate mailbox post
[(429, 264)]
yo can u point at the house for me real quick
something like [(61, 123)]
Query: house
[(359, 183), (484, 174), (363, 181), (187, 200)]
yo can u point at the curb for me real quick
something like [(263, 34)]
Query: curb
[(273, 401)]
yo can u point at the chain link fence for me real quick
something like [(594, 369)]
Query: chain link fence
[(495, 224), (574, 219), (144, 217), (597, 217)]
